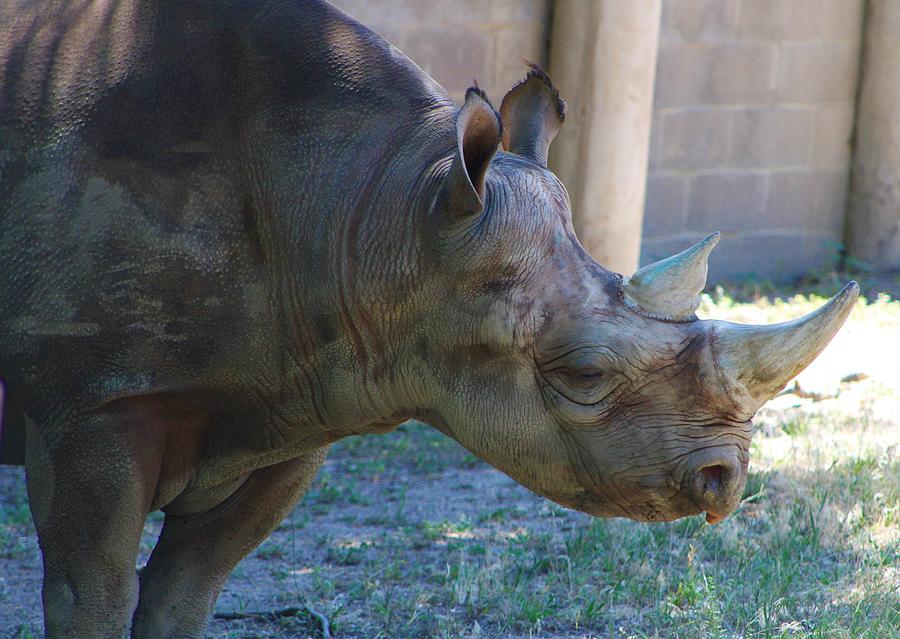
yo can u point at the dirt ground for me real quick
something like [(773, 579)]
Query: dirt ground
[(340, 524), (408, 535)]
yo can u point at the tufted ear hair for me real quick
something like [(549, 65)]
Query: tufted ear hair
[(532, 113), (478, 131)]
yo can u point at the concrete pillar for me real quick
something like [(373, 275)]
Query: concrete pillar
[(873, 219), (603, 60)]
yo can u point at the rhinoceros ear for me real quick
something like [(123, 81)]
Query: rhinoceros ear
[(532, 114), (478, 131)]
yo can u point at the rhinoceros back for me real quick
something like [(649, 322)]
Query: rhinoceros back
[(147, 150), (123, 246)]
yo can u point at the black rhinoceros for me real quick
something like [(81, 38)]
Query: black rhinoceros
[(234, 232)]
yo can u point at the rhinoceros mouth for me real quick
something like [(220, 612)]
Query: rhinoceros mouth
[(654, 509), (711, 516), (596, 504)]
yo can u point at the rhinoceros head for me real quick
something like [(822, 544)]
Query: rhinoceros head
[(602, 392)]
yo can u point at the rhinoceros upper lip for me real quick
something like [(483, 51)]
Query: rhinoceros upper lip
[(712, 516)]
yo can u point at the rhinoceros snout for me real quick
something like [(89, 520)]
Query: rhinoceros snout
[(715, 484)]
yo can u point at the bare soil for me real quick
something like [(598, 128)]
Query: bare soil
[(368, 517)]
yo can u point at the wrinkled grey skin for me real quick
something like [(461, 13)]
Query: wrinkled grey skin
[(234, 232)]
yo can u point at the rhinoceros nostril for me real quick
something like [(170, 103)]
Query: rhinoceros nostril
[(714, 478)]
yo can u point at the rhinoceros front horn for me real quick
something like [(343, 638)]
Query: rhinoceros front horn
[(670, 289), (757, 361)]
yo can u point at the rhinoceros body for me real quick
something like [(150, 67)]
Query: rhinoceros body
[(234, 232)]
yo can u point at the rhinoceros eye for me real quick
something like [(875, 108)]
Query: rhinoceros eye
[(581, 377), (585, 376)]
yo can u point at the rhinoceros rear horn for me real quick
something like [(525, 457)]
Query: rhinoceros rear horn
[(532, 115), (478, 132), (670, 289)]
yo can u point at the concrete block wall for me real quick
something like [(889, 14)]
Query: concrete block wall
[(753, 117), (459, 41)]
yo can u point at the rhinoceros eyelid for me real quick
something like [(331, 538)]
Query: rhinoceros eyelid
[(585, 377), (583, 352), (600, 389), (588, 372)]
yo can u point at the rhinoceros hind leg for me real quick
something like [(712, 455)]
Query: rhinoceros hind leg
[(196, 553), (89, 494)]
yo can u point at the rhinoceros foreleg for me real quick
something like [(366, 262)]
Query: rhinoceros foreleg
[(196, 553), (90, 483)]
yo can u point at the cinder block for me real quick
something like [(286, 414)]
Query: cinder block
[(778, 20), (726, 202), (818, 72), (512, 43), (715, 74), (682, 74), (772, 137), (842, 20), (741, 73), (832, 136), (664, 205), (833, 203), (655, 160), (693, 21), (478, 12), (452, 56), (500, 11), (810, 201), (695, 139)]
